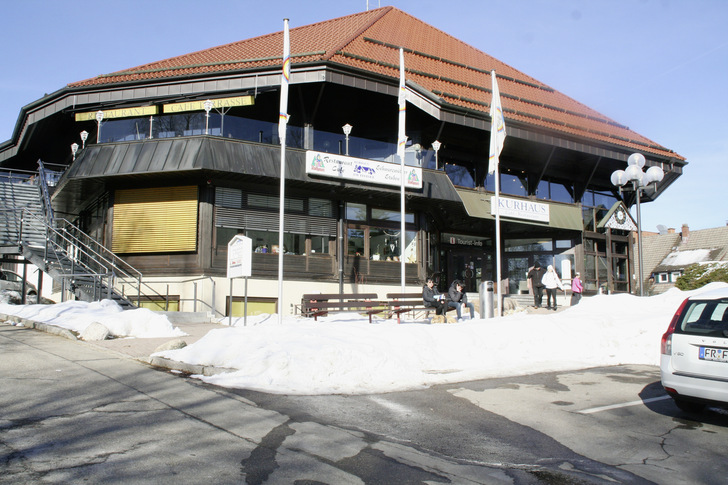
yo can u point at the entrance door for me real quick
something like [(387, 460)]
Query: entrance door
[(465, 265)]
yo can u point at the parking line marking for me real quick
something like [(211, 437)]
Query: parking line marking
[(623, 405)]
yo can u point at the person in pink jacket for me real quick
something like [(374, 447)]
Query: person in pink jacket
[(576, 289)]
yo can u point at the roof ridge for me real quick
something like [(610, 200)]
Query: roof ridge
[(355, 35)]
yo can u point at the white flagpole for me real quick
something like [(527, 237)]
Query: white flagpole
[(282, 123), (497, 137), (401, 141)]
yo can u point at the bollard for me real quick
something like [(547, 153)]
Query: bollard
[(486, 299)]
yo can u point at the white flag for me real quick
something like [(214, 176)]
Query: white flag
[(285, 79), (401, 137), (497, 127)]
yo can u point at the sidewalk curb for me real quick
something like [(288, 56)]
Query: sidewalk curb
[(43, 327), (169, 364), (154, 361)]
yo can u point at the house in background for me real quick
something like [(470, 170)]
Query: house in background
[(667, 255)]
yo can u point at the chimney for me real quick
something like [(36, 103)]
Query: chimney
[(685, 233), (671, 230)]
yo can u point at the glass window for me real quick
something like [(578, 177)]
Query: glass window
[(619, 247), (529, 245), (602, 199), (320, 244), (389, 215), (510, 184), (356, 212), (563, 243), (459, 175), (267, 242), (225, 234), (561, 193), (355, 238)]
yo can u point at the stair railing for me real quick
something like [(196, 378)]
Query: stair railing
[(43, 182)]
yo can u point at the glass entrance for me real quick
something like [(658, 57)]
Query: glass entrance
[(517, 274), (465, 265)]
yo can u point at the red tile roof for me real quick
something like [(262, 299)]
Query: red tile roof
[(442, 64)]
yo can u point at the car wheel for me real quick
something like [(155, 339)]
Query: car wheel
[(689, 406)]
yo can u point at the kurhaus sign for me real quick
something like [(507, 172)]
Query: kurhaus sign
[(361, 170), (521, 209), (216, 103), (119, 113)]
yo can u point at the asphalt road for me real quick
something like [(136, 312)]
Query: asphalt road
[(71, 412)]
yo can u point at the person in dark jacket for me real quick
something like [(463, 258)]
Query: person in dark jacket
[(432, 298), (458, 299), (536, 275)]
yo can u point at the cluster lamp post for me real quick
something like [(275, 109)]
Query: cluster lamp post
[(639, 181)]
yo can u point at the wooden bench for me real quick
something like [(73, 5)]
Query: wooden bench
[(399, 303), (320, 304)]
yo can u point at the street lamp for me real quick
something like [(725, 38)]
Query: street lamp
[(74, 149), (347, 131), (84, 137), (639, 180), (99, 119), (436, 146), (208, 106)]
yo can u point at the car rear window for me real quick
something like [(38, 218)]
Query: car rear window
[(705, 317)]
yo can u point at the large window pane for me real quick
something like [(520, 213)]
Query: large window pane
[(356, 212), (355, 239), (320, 244), (510, 184), (528, 245), (459, 175), (390, 215)]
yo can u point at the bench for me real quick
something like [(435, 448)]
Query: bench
[(399, 303), (320, 304)]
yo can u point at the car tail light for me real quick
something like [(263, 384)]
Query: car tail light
[(666, 346)]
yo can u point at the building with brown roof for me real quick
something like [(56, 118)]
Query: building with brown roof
[(669, 254), (166, 184)]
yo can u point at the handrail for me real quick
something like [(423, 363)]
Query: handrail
[(43, 183), (123, 270), (68, 242)]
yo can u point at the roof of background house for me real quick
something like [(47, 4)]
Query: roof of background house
[(668, 252), (369, 41)]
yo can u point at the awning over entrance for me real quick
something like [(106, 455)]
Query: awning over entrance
[(562, 216)]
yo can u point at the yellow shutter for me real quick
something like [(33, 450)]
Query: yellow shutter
[(156, 220)]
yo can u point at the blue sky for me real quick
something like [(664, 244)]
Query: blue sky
[(657, 66)]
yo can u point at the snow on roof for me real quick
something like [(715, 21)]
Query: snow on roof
[(686, 258)]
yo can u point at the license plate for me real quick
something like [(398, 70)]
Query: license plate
[(716, 355)]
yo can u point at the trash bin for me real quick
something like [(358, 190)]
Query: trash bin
[(486, 299)]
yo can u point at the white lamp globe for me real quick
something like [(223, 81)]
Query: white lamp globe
[(654, 174), (618, 178), (634, 173), (636, 159)]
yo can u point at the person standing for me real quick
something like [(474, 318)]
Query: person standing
[(432, 298), (536, 275), (551, 281), (458, 299), (576, 289)]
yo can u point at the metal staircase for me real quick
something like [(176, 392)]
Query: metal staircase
[(79, 263)]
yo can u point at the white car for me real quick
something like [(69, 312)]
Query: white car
[(694, 360), (10, 281)]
